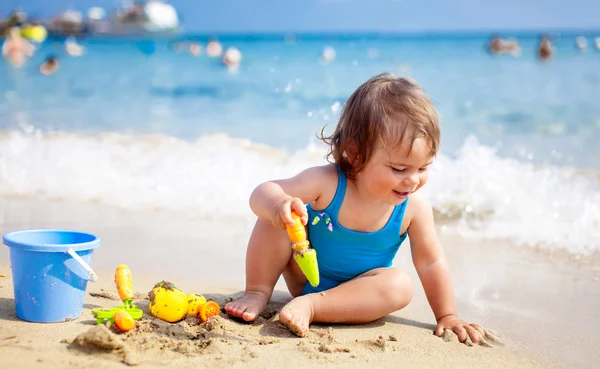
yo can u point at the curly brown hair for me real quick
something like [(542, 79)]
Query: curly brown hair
[(385, 109)]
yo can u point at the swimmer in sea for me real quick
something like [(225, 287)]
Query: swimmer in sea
[(49, 66), (232, 58), (73, 48), (545, 50), (195, 48), (16, 49), (500, 46), (214, 48)]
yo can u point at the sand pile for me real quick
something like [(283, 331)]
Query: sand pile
[(223, 339)]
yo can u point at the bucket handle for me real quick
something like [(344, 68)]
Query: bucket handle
[(88, 269)]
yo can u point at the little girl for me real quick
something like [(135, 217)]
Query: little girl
[(360, 209)]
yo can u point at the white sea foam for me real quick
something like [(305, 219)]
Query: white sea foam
[(486, 195)]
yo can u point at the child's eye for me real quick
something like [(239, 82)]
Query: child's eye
[(423, 169), (398, 170)]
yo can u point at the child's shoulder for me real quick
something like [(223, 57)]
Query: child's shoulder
[(326, 178), (419, 201), (321, 173), (417, 208)]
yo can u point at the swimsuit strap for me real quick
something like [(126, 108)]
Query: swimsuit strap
[(334, 206), (397, 217)]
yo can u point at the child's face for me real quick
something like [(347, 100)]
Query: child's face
[(393, 173)]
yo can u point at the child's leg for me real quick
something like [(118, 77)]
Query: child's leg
[(268, 256), (368, 297)]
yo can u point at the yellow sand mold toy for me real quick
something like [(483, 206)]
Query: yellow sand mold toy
[(303, 254), (170, 304)]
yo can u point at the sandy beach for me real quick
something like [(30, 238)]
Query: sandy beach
[(541, 307), (151, 127), (223, 343)]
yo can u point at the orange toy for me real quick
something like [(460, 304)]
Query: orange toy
[(209, 309), (123, 320), (123, 281), (302, 253), (297, 232)]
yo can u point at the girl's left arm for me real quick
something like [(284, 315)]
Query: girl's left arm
[(432, 268)]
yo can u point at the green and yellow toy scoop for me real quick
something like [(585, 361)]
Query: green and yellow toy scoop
[(124, 284), (303, 254), (108, 314)]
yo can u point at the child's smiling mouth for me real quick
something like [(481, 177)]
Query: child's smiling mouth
[(401, 194)]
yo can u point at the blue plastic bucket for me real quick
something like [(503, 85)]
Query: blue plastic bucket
[(50, 269)]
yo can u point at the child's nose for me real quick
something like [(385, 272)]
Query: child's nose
[(412, 180)]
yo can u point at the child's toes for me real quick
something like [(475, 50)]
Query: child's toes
[(234, 310), (249, 315)]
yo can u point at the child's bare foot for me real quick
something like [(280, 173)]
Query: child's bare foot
[(297, 315), (248, 307)]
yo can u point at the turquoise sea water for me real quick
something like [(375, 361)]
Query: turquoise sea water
[(135, 124)]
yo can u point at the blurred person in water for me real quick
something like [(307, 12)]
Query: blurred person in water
[(195, 48), (232, 58), (499, 46), (545, 50), (16, 49), (50, 65), (213, 48)]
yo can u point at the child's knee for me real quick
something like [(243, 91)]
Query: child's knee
[(295, 289), (267, 231), (264, 225), (399, 287)]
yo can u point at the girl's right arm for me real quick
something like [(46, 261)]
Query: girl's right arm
[(274, 200)]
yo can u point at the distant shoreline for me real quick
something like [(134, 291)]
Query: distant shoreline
[(349, 35), (416, 33)]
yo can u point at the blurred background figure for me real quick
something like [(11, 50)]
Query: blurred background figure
[(498, 45), (545, 50), (50, 65), (328, 54), (16, 49), (195, 48), (16, 19), (581, 43), (214, 48), (232, 58), (73, 48)]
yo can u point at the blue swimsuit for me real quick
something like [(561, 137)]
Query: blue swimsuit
[(343, 253)]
